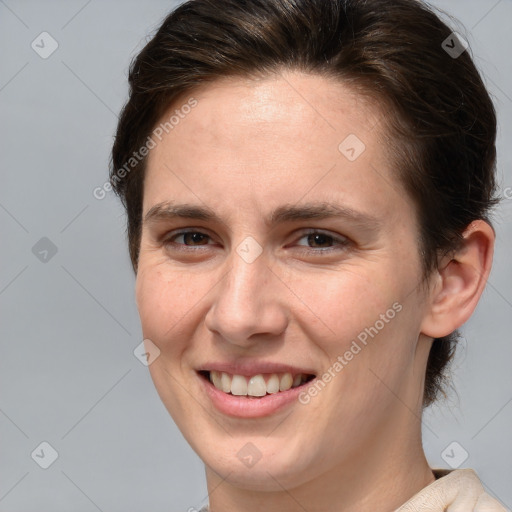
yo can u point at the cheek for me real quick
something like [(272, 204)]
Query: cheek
[(163, 301), (367, 318), (340, 305)]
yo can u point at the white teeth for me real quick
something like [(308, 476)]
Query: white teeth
[(216, 379), (286, 382), (239, 385), (225, 380), (255, 386), (273, 384)]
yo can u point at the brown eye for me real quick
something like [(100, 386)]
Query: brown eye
[(322, 241), (194, 238), (188, 238)]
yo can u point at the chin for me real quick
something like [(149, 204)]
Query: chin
[(255, 463)]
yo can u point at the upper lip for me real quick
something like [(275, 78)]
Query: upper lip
[(250, 368)]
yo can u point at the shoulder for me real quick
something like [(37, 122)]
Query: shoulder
[(459, 489)]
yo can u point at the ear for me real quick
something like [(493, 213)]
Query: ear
[(458, 283)]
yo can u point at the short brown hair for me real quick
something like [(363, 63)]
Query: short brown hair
[(441, 118)]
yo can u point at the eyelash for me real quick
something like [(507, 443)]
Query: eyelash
[(342, 241)]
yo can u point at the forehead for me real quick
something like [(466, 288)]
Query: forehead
[(278, 139), (283, 104)]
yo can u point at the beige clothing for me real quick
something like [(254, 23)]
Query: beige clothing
[(457, 490)]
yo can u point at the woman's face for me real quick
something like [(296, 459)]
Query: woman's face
[(278, 246)]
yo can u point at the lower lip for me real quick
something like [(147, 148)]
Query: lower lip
[(249, 407)]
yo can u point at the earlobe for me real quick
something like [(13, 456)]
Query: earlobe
[(460, 281)]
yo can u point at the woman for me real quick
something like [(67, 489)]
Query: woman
[(307, 186)]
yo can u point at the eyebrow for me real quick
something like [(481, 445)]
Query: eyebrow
[(168, 210)]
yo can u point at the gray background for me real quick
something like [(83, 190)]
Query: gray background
[(69, 325)]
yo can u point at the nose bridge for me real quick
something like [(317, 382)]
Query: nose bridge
[(249, 272), (246, 302)]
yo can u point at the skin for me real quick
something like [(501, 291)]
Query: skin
[(247, 148)]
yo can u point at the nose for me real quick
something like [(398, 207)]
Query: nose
[(246, 306)]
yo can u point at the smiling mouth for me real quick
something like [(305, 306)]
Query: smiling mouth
[(255, 386)]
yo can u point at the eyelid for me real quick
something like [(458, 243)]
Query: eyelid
[(314, 231), (339, 241), (168, 236)]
